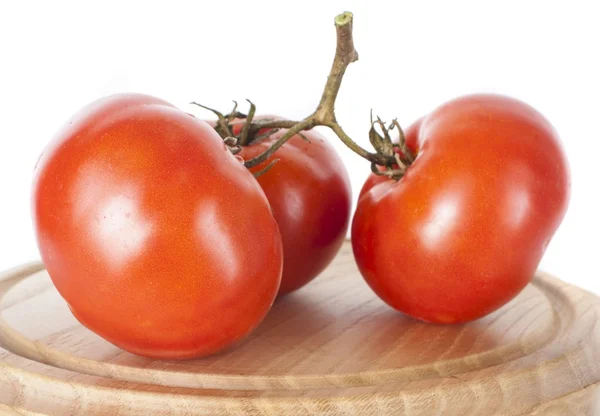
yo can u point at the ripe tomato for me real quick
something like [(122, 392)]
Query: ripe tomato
[(309, 191), (465, 228), (157, 237)]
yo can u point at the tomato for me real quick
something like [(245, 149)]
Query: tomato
[(309, 191), (157, 237), (463, 231)]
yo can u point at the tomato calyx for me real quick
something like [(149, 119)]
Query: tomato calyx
[(223, 123), (249, 133), (224, 127), (384, 145)]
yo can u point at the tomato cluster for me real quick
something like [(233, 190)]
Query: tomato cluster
[(163, 243)]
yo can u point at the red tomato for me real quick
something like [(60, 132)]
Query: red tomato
[(309, 191), (466, 227), (157, 237)]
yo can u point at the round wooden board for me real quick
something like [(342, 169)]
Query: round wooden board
[(332, 348)]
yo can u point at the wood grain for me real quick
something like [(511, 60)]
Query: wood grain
[(332, 348)]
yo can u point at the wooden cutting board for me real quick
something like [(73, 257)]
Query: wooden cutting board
[(332, 348)]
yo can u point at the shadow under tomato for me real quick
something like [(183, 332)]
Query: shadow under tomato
[(307, 335)]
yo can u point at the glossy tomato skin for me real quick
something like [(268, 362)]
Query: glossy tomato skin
[(465, 229), (309, 191), (157, 237)]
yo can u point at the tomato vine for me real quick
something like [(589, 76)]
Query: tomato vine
[(394, 157)]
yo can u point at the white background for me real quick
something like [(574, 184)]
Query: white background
[(414, 55)]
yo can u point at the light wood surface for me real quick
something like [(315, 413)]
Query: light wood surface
[(332, 348)]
